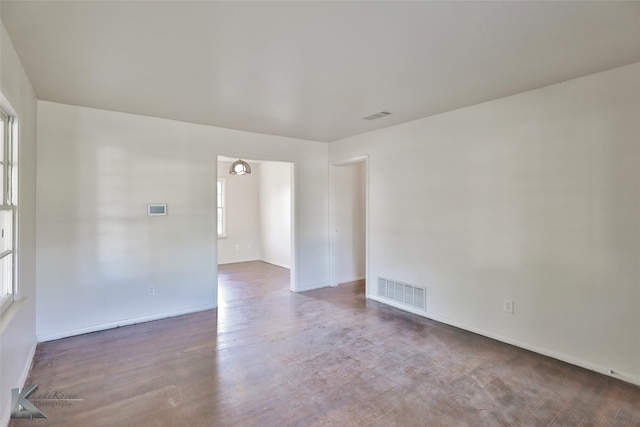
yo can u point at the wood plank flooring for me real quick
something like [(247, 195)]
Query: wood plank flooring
[(269, 357)]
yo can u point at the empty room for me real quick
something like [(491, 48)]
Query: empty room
[(319, 213)]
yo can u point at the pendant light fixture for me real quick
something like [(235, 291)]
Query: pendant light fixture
[(240, 167)]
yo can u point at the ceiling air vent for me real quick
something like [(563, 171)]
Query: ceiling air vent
[(377, 115)]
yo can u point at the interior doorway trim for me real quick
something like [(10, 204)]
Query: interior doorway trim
[(333, 281)]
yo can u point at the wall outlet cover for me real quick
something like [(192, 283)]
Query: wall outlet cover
[(508, 306)]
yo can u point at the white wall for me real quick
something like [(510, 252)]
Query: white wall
[(242, 241), (97, 249), (17, 324), (348, 221), (275, 213), (535, 198)]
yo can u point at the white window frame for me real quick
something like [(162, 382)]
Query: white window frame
[(9, 203), (221, 213)]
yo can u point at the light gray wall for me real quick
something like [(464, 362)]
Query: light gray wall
[(98, 251), (18, 323), (534, 198), (275, 213)]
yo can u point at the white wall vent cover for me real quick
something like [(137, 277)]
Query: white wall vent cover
[(403, 293)]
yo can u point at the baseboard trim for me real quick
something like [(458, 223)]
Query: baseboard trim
[(277, 264), (401, 307), (312, 287), (27, 368), (125, 322), (237, 261), (355, 279), (5, 419), (610, 372)]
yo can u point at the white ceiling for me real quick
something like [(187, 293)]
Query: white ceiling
[(310, 70)]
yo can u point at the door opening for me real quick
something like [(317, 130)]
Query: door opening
[(348, 222), (254, 215)]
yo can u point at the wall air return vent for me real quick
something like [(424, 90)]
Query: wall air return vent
[(403, 293)]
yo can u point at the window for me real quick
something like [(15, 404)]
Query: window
[(220, 205), (8, 204)]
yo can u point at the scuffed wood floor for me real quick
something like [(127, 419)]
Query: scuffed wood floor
[(269, 357)]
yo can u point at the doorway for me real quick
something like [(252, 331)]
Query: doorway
[(349, 222), (255, 215)]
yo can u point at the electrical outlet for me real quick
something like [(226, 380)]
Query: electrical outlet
[(508, 306), (237, 247), (152, 290)]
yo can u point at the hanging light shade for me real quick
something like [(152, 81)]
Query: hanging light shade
[(240, 167)]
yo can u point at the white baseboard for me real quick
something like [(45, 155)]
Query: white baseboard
[(125, 322), (355, 279), (237, 262), (27, 367), (400, 307), (312, 287), (543, 351), (22, 379), (288, 267)]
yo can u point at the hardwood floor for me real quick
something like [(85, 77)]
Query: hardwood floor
[(269, 357)]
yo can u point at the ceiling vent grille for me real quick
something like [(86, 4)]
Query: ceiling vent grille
[(403, 293), (377, 115)]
